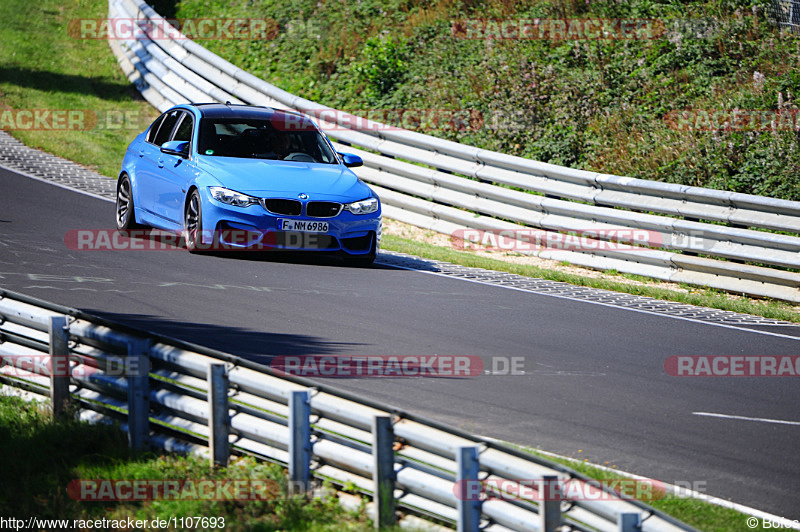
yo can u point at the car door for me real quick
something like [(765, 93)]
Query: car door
[(145, 166), (149, 168), (175, 172)]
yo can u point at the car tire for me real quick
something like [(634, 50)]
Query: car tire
[(361, 261), (193, 223), (125, 214)]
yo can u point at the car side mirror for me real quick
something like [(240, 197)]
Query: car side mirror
[(176, 147), (350, 160)]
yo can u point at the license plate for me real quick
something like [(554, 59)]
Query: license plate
[(303, 226)]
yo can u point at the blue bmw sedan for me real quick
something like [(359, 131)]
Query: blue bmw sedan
[(245, 177)]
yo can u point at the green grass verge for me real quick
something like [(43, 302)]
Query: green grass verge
[(698, 296), (39, 457), (43, 68)]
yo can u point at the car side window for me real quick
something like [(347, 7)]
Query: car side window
[(167, 125), (151, 133), (184, 129)]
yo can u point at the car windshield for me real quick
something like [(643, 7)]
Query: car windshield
[(260, 139)]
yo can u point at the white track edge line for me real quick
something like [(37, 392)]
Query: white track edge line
[(610, 305), (54, 183)]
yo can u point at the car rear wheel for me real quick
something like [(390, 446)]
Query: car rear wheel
[(125, 213)]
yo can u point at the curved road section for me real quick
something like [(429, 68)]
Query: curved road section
[(581, 377)]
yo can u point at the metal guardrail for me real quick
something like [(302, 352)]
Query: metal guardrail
[(180, 396), (736, 247), (785, 13)]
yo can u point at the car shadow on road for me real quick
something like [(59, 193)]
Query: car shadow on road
[(311, 258), (257, 346), (383, 261)]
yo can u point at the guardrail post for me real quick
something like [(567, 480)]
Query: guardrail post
[(59, 365), (219, 421), (299, 441), (383, 470), (550, 507), (629, 522), (468, 511), (138, 365)]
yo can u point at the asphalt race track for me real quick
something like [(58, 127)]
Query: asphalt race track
[(594, 385)]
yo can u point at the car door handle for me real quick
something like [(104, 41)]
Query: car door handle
[(141, 153), (160, 162)]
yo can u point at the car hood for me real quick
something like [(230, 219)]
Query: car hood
[(264, 178)]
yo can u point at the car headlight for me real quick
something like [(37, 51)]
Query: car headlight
[(231, 197), (365, 206)]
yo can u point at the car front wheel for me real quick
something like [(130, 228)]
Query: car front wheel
[(361, 261), (193, 223)]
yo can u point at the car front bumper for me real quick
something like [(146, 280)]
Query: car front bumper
[(254, 227)]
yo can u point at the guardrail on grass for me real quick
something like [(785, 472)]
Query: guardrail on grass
[(183, 397)]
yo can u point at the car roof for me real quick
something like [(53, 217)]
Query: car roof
[(219, 110)]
